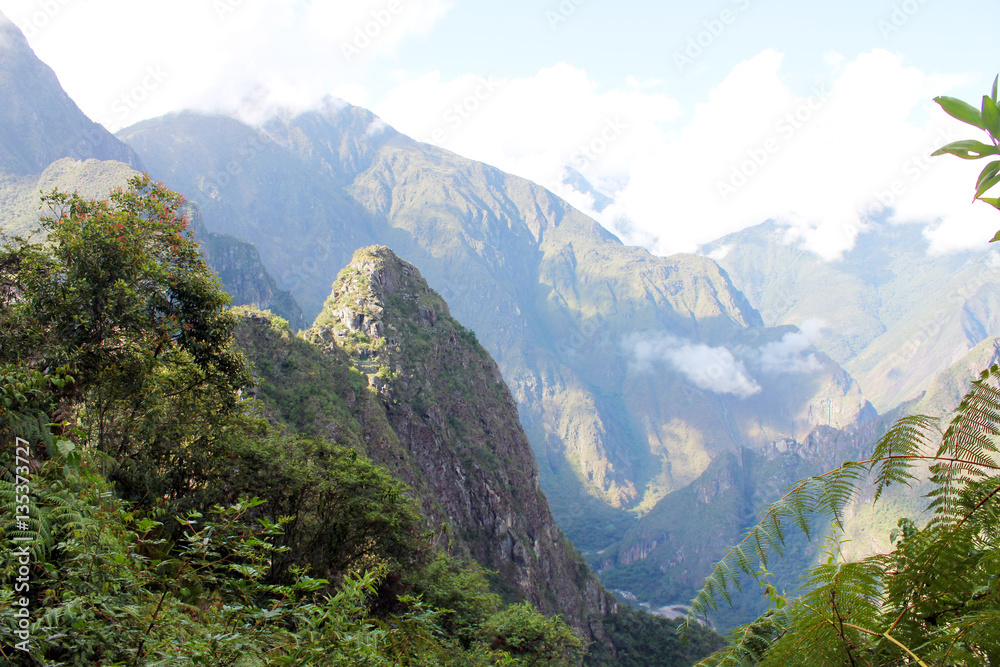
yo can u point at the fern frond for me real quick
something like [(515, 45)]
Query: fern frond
[(968, 450), (825, 495), (749, 643), (909, 440), (907, 443)]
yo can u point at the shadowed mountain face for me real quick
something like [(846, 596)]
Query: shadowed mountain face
[(631, 372), (451, 432), (39, 123)]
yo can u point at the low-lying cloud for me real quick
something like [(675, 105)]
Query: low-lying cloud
[(794, 353), (714, 369), (823, 162)]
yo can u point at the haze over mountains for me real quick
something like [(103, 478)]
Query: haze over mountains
[(661, 395), (894, 315)]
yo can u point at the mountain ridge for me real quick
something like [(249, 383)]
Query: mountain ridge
[(518, 265)]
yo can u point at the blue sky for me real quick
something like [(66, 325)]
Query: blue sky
[(613, 40), (698, 119)]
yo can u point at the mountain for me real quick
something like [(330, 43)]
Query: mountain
[(434, 410), (893, 314), (46, 142), (664, 558), (631, 372), (39, 123)]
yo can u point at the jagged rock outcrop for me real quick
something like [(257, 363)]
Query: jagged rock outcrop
[(460, 443)]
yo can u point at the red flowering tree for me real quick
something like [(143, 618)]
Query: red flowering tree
[(118, 295)]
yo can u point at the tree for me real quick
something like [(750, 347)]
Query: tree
[(118, 298), (168, 522), (935, 598)]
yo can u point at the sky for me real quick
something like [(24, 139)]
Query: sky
[(691, 120)]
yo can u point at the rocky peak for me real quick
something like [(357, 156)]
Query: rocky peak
[(373, 278), (465, 451)]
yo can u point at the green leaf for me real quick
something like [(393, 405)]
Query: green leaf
[(962, 111), (147, 525), (968, 149), (991, 117), (73, 459), (986, 185), (65, 447), (995, 79), (989, 171)]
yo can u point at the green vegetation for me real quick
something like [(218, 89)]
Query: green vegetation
[(986, 118), (643, 640), (175, 519), (934, 598)]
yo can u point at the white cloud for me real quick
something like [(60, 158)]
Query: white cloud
[(721, 252), (819, 161), (215, 52), (536, 126), (711, 368), (794, 353), (375, 128)]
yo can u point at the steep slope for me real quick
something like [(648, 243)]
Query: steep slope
[(39, 123), (895, 316), (663, 560), (433, 408), (631, 372)]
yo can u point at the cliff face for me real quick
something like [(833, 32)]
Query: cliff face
[(242, 273), (459, 440)]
